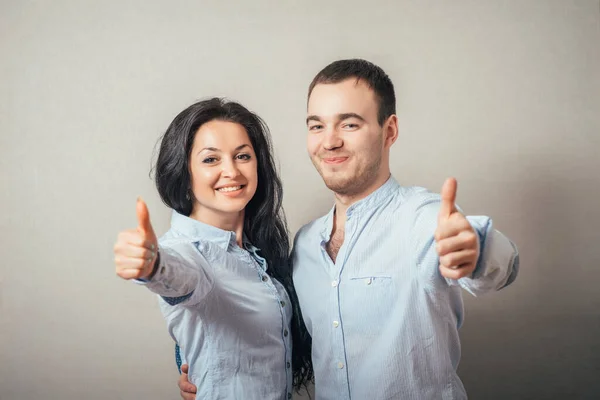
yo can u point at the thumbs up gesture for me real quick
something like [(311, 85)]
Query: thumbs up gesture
[(457, 243), (135, 250)]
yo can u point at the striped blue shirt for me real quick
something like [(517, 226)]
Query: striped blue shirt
[(383, 321), (230, 319)]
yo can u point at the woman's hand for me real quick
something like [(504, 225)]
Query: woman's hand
[(136, 249)]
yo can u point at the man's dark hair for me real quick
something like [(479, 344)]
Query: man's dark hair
[(367, 72)]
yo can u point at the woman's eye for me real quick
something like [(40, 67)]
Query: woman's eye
[(209, 160), (244, 156)]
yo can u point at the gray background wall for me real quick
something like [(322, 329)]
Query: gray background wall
[(504, 95)]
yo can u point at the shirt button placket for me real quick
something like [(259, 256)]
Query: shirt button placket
[(337, 335)]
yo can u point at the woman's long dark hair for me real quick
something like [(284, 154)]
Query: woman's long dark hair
[(264, 225)]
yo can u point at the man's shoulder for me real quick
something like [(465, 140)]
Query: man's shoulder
[(415, 198), (311, 229)]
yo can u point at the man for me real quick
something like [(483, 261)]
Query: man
[(379, 277)]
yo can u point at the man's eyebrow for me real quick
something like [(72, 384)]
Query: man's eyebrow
[(312, 118), (339, 117), (344, 116)]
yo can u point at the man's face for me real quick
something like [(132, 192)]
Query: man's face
[(345, 141)]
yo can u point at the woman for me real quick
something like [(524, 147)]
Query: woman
[(222, 271)]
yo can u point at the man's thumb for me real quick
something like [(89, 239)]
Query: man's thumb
[(448, 198)]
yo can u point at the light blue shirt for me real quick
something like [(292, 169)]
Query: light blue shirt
[(384, 322), (230, 319)]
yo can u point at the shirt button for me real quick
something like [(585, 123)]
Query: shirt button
[(289, 395), (282, 303), (285, 332), (368, 281), (340, 365), (288, 364), (336, 324), (265, 278), (334, 283)]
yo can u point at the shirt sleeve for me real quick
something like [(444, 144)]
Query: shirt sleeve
[(183, 275), (498, 262)]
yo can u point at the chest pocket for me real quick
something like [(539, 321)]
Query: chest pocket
[(372, 280), (372, 297)]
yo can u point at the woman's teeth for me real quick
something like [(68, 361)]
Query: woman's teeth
[(229, 189)]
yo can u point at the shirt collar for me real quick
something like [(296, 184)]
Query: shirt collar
[(373, 200), (199, 230), (208, 233)]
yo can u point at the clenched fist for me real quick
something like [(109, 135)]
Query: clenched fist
[(135, 250)]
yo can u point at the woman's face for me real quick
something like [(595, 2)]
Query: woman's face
[(224, 173)]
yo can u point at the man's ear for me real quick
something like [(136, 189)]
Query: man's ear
[(390, 130)]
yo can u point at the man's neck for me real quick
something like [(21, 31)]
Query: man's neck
[(336, 238), (343, 201)]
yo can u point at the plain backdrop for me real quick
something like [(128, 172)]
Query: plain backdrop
[(503, 94)]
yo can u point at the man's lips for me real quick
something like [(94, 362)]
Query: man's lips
[(334, 160)]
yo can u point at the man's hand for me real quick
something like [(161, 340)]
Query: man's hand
[(457, 243), (187, 390), (135, 250)]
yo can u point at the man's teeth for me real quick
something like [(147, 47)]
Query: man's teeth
[(229, 189)]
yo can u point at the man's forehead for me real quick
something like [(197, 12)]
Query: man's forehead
[(349, 96)]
